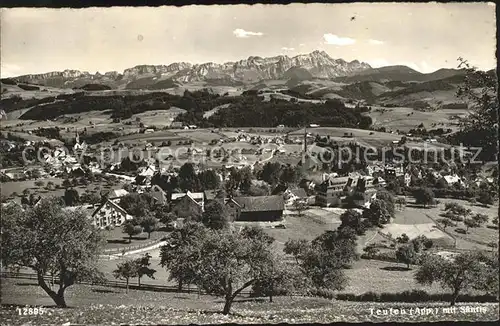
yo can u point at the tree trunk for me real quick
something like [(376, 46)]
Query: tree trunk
[(179, 285), (57, 297), (130, 238), (139, 281), (149, 235), (454, 298), (126, 288), (271, 297), (227, 305)]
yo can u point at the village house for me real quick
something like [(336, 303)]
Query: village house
[(255, 209), (185, 205), (159, 195), (116, 194), (293, 195), (110, 213), (451, 180), (330, 191)]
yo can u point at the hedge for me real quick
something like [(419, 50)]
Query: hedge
[(413, 296)]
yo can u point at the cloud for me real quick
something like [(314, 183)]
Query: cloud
[(9, 70), (287, 49), (336, 40), (301, 44), (241, 33), (376, 42)]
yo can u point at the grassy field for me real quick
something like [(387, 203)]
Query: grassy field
[(18, 187), (115, 238), (404, 118), (8, 188), (99, 305), (483, 233)]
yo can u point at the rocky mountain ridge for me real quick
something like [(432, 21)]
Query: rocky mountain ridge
[(318, 63)]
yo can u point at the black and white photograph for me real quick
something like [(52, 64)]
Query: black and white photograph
[(249, 164)]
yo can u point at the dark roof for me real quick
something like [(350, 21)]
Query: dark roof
[(210, 194), (260, 203), (279, 189), (299, 192), (112, 204), (158, 194)]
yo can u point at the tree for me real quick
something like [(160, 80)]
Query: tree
[(271, 173), (424, 196), (209, 179), (215, 215), (322, 261), (39, 183), (480, 127), (277, 278), (126, 271), (296, 248), (406, 254), (149, 223), (300, 206), (188, 180), (388, 198), (231, 262), (90, 198), (370, 250), (143, 268), (403, 238), (460, 273), (480, 218), (71, 197), (446, 222), (351, 218), (401, 202), (378, 214), (181, 253), (131, 229), (485, 198), (50, 240), (164, 215), (138, 205), (470, 223)]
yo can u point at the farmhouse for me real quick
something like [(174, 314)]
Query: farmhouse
[(115, 194), (109, 213), (159, 195), (256, 209), (185, 205), (451, 180), (293, 195), (329, 192)]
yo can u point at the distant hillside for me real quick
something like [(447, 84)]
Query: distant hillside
[(398, 73), (94, 87)]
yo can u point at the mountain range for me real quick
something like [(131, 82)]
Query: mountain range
[(317, 64)]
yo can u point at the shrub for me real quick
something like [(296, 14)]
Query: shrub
[(413, 296), (383, 256), (460, 230), (323, 293)]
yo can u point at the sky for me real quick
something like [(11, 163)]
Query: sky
[(423, 36)]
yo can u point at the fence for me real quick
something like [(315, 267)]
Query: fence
[(115, 284), (130, 248)]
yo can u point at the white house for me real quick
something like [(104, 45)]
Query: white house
[(452, 179), (110, 213)]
